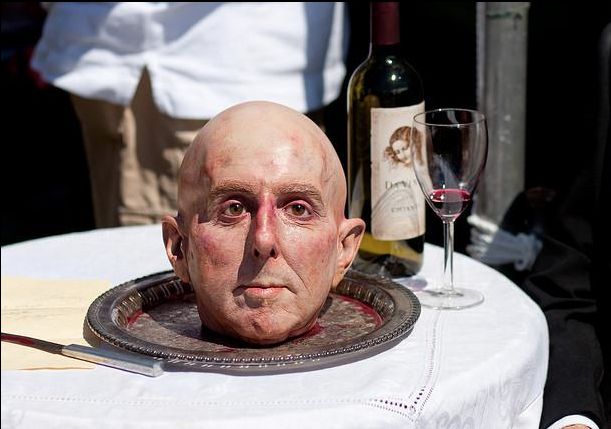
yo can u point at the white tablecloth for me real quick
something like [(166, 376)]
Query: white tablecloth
[(483, 367)]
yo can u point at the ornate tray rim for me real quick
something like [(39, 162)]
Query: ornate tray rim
[(102, 327)]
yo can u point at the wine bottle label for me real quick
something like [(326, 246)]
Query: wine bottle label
[(397, 202)]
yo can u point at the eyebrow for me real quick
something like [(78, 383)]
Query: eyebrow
[(227, 188), (296, 188), (305, 189)]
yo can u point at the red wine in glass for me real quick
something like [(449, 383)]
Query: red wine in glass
[(449, 203)]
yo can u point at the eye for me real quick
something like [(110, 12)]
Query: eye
[(234, 209), (299, 210)]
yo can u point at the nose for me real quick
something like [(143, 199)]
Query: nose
[(265, 238)]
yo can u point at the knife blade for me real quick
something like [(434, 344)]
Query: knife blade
[(126, 361)]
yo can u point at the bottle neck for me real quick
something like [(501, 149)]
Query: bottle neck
[(384, 26)]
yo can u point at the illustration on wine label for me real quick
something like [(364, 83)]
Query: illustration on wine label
[(398, 149)]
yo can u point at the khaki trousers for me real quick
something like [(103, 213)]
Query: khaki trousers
[(134, 154)]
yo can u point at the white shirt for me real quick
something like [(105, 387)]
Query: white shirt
[(202, 57)]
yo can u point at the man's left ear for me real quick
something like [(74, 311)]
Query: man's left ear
[(350, 235)]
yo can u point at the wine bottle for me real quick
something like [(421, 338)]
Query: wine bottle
[(384, 93)]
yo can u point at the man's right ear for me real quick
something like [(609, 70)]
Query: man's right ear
[(173, 242)]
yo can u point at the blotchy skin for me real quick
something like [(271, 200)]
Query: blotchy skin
[(260, 232)]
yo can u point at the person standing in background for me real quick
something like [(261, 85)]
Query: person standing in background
[(141, 75)]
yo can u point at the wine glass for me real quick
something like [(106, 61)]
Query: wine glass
[(449, 149)]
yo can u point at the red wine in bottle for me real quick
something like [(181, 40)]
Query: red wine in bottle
[(384, 94)]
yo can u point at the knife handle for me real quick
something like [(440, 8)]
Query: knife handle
[(121, 360)]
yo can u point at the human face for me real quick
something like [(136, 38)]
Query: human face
[(401, 150), (262, 244)]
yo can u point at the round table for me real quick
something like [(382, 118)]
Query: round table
[(480, 367)]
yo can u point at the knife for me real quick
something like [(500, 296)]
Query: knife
[(121, 360)]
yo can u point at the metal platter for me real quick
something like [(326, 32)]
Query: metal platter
[(157, 316)]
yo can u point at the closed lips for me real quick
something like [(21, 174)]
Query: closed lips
[(263, 291)]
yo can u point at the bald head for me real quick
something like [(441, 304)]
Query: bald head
[(261, 233), (267, 133)]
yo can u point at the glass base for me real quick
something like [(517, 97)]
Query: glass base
[(456, 299)]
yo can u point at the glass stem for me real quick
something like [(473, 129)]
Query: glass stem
[(448, 257)]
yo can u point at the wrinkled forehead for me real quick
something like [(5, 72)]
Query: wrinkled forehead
[(265, 147)]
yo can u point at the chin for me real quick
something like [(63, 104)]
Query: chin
[(257, 327), (268, 333)]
